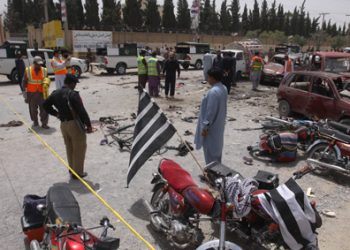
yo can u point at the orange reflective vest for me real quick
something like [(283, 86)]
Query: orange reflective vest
[(288, 66), (35, 80), (56, 70), (71, 71), (257, 63)]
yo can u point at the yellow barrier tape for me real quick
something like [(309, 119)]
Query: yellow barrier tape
[(76, 175)]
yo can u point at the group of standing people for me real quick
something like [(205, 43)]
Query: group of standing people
[(225, 62), (150, 71), (64, 103)]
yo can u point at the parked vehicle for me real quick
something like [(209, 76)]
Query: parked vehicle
[(242, 62), (273, 71), (331, 152), (177, 205), (315, 94), (332, 62), (191, 54), (8, 66), (287, 48), (61, 228), (124, 57)]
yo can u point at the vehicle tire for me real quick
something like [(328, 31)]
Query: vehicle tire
[(35, 245), (214, 245), (14, 76), (284, 108), (121, 69), (345, 121), (185, 65), (110, 71), (198, 65), (77, 71), (160, 202), (9, 77), (317, 154)]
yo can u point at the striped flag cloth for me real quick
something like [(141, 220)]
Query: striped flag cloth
[(152, 131), (290, 208)]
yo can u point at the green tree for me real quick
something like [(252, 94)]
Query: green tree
[(152, 16), (13, 21), (183, 15), (54, 10), (294, 29), (255, 25), (214, 19), (92, 18), (31, 12), (314, 24), (235, 8), (338, 42), (169, 19), (245, 20), (205, 17), (280, 18), (111, 15), (287, 24), (308, 27), (264, 19), (75, 14), (225, 17), (273, 17), (132, 14), (301, 20)]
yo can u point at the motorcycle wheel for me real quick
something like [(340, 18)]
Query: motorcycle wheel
[(159, 202), (214, 245), (318, 153)]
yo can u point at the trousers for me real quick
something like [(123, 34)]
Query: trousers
[(153, 85), (59, 81), (255, 78), (211, 154), (35, 102), (142, 82), (170, 85), (75, 141)]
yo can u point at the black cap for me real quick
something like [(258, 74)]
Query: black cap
[(70, 79)]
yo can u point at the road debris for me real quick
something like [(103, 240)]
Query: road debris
[(329, 213), (11, 124)]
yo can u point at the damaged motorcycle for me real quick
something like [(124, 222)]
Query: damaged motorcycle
[(178, 205), (55, 223)]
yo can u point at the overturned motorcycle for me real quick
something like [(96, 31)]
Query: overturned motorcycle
[(54, 222), (246, 206)]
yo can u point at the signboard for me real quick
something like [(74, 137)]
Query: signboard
[(53, 34), (84, 39)]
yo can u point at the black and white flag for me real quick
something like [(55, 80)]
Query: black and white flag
[(291, 209), (152, 131)]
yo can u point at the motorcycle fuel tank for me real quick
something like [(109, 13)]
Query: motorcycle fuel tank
[(200, 199)]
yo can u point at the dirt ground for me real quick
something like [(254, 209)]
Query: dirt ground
[(27, 167)]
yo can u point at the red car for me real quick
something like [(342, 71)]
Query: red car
[(315, 94)]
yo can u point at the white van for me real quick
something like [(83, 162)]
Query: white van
[(242, 63)]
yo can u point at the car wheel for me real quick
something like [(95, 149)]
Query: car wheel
[(121, 69), (284, 108), (345, 121), (77, 71), (9, 77), (14, 76), (198, 65)]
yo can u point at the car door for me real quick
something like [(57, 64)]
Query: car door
[(297, 92), (322, 101), (48, 58), (240, 63)]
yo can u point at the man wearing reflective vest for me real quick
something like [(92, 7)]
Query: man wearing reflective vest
[(59, 68), (142, 70), (256, 67), (153, 75), (33, 82)]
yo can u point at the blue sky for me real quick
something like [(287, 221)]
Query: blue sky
[(337, 8)]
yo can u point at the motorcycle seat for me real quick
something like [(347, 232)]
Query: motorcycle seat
[(62, 206), (339, 126), (335, 134), (177, 177)]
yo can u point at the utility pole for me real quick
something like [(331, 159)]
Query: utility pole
[(46, 11), (65, 21), (324, 14)]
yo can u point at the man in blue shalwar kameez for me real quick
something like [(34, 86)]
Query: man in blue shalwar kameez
[(211, 121)]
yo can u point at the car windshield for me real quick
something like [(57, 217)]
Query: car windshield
[(337, 65)]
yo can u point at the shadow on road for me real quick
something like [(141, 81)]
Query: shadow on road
[(139, 210)]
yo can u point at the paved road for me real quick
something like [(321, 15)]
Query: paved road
[(26, 167)]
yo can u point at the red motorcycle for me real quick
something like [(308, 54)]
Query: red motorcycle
[(331, 152), (177, 205), (62, 228)]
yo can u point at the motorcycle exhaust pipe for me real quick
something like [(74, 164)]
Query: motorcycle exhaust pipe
[(148, 206), (154, 217), (330, 166)]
